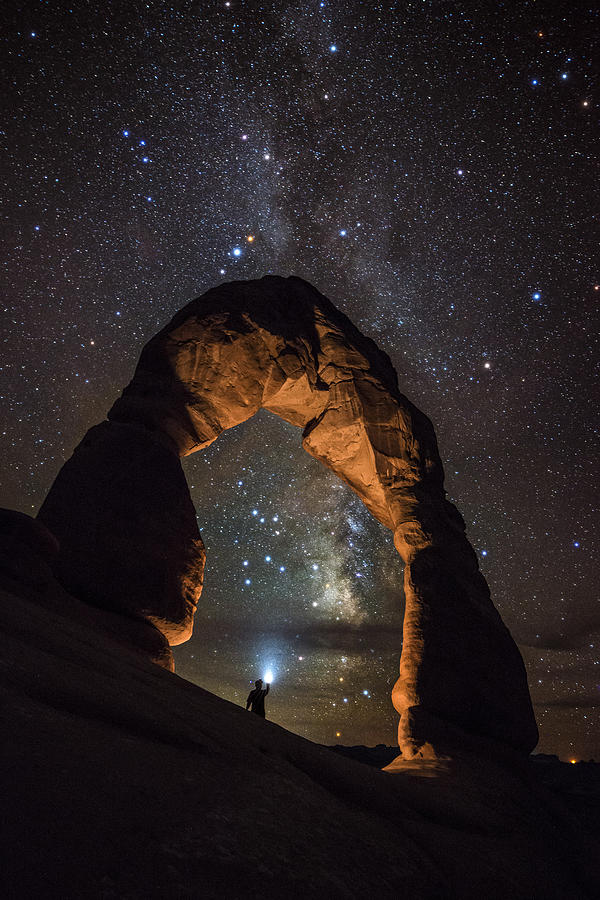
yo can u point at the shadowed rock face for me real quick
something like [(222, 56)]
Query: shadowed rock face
[(121, 509)]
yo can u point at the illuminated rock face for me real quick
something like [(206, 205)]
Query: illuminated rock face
[(129, 540)]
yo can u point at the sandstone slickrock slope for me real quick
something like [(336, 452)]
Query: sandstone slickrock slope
[(128, 537), (121, 780)]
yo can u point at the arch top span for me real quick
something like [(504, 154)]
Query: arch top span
[(278, 344)]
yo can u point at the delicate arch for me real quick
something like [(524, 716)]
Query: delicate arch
[(129, 539)]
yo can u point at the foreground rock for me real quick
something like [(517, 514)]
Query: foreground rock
[(121, 780), (128, 537)]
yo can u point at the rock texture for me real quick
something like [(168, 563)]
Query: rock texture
[(121, 780), (126, 526)]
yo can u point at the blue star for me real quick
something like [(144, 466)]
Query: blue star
[(333, 48), (536, 296), (237, 251)]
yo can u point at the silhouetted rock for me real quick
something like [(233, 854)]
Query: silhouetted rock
[(27, 550), (126, 526), (122, 780)]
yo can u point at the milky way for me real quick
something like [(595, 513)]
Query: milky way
[(430, 168)]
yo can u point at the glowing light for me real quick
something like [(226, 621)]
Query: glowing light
[(244, 137), (487, 365), (534, 82), (267, 156), (145, 159), (267, 559), (338, 734), (125, 134), (237, 251), (250, 238), (573, 761), (247, 581), (268, 677), (343, 232), (333, 48), (459, 172), (536, 296), (564, 76)]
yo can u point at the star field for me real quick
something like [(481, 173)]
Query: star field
[(431, 167)]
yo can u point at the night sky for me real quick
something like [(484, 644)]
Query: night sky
[(429, 166)]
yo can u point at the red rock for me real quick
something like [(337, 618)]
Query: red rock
[(123, 515)]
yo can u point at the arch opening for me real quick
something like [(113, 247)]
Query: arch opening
[(312, 627), (277, 344)]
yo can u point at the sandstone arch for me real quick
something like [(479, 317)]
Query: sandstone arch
[(121, 509)]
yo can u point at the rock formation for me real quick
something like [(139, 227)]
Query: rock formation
[(129, 541)]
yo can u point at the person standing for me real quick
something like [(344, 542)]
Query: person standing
[(256, 698)]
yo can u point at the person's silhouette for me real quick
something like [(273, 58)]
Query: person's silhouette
[(256, 698)]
